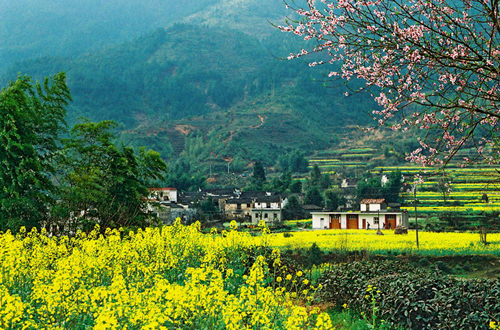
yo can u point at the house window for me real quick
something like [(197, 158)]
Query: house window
[(248, 205), (276, 215), (375, 220), (256, 215), (238, 206), (265, 215)]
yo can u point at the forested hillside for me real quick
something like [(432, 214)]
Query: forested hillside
[(172, 75), (38, 28), (209, 92)]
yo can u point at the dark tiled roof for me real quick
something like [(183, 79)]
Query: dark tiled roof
[(373, 201), (239, 201), (162, 189), (311, 207)]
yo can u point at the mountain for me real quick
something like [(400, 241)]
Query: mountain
[(209, 92), (37, 28), (182, 73)]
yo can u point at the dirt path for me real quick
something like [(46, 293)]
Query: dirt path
[(262, 121)]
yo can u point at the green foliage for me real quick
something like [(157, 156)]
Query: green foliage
[(392, 189), (73, 27), (313, 196), (292, 210), (413, 298), (207, 208), (259, 175), (294, 162), (368, 187), (31, 119), (103, 183), (314, 256), (333, 199), (182, 176), (153, 84), (315, 176)]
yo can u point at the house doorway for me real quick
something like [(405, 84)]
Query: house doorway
[(352, 221), (335, 221), (390, 221)]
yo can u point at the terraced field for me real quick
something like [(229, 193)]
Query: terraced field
[(472, 193)]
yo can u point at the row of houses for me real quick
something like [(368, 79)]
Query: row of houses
[(169, 204)]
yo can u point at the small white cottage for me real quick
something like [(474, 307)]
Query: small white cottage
[(373, 214)]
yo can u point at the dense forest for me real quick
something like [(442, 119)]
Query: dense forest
[(209, 92)]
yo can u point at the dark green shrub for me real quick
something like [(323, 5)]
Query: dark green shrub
[(443, 266), (424, 262), (314, 255), (413, 298)]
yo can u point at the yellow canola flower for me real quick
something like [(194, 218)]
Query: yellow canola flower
[(156, 278)]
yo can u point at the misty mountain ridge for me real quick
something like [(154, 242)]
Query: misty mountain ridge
[(37, 28), (222, 89)]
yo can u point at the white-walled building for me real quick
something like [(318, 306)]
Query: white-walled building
[(367, 205), (373, 215), (163, 195)]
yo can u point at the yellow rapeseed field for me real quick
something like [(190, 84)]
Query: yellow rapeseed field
[(353, 239), (172, 277)]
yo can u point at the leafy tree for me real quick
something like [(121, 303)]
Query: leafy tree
[(391, 190), (103, 183), (183, 177), (429, 64), (259, 175), (313, 196), (296, 187), (333, 199), (314, 255), (294, 162), (31, 119), (315, 176), (292, 209), (368, 187), (207, 208), (282, 183)]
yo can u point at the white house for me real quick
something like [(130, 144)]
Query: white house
[(373, 215), (269, 215), (163, 195), (367, 205)]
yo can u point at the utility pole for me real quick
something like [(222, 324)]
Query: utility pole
[(415, 203)]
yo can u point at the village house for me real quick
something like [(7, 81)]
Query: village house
[(373, 214), (268, 208), (163, 203), (239, 208), (269, 215), (163, 195), (255, 206)]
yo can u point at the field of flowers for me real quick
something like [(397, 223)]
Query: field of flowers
[(430, 243), (172, 277)]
